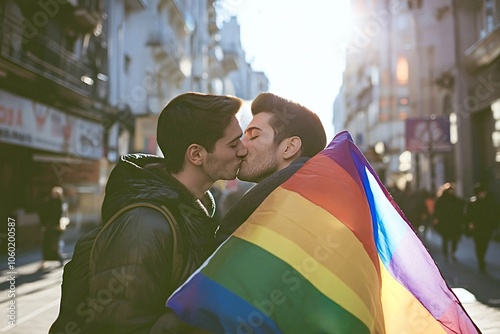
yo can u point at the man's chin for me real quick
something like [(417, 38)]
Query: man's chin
[(228, 177), (254, 177), (238, 174), (244, 177), (232, 176)]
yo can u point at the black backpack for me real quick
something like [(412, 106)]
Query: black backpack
[(75, 279)]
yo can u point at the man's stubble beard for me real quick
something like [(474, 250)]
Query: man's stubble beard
[(215, 173), (260, 168)]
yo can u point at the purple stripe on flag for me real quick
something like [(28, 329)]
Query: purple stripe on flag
[(414, 268)]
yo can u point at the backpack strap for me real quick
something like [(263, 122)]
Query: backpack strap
[(174, 227)]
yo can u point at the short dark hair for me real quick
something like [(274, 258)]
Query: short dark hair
[(292, 119), (193, 118)]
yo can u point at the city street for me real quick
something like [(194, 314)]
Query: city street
[(479, 293), (106, 103), (37, 292)]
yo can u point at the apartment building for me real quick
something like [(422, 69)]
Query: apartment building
[(420, 91), (54, 106), (83, 81)]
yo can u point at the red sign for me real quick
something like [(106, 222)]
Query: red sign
[(32, 124)]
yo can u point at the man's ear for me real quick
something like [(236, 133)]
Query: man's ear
[(195, 153), (294, 144)]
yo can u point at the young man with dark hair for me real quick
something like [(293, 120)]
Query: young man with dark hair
[(281, 137), (139, 259)]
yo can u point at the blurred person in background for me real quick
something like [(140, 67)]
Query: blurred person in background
[(483, 217), (430, 203), (412, 203), (50, 214), (449, 219)]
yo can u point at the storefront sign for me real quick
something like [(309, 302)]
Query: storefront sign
[(428, 134), (28, 123)]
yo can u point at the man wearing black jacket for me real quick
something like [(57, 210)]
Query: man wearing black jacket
[(281, 137), (134, 266)]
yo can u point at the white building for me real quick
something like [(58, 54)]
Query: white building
[(422, 63), (160, 48), (82, 81), (399, 60), (246, 82)]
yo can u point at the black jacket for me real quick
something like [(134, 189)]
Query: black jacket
[(50, 213), (484, 214), (133, 256), (449, 213), (240, 212)]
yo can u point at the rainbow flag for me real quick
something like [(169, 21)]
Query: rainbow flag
[(326, 252)]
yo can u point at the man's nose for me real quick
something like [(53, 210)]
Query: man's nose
[(242, 151)]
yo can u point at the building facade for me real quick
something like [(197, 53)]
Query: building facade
[(83, 81), (53, 106), (246, 83), (414, 73), (477, 104)]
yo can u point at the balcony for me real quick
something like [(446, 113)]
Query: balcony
[(186, 20), (86, 19), (168, 50), (135, 5), (44, 57), (484, 51), (164, 42), (230, 62), (227, 63), (87, 14)]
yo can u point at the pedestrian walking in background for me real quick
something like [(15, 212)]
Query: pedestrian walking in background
[(430, 203), (449, 219), (50, 214), (413, 205), (483, 216)]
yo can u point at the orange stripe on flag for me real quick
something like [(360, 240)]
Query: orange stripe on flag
[(321, 248), (332, 188)]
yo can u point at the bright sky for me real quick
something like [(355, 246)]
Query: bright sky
[(299, 45)]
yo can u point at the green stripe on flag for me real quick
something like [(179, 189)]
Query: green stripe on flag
[(278, 291)]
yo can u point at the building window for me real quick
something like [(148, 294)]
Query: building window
[(126, 63), (495, 136), (490, 16), (415, 4), (402, 71), (359, 139)]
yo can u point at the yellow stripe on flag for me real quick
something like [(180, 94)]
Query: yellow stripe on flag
[(322, 278), (402, 311), (321, 248)]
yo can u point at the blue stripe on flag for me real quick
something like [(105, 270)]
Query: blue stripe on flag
[(208, 305)]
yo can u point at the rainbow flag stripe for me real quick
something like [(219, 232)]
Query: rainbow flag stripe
[(326, 252)]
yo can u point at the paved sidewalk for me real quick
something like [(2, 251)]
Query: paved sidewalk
[(479, 293), (34, 301), (485, 317)]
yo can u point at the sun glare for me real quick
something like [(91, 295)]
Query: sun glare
[(300, 46)]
